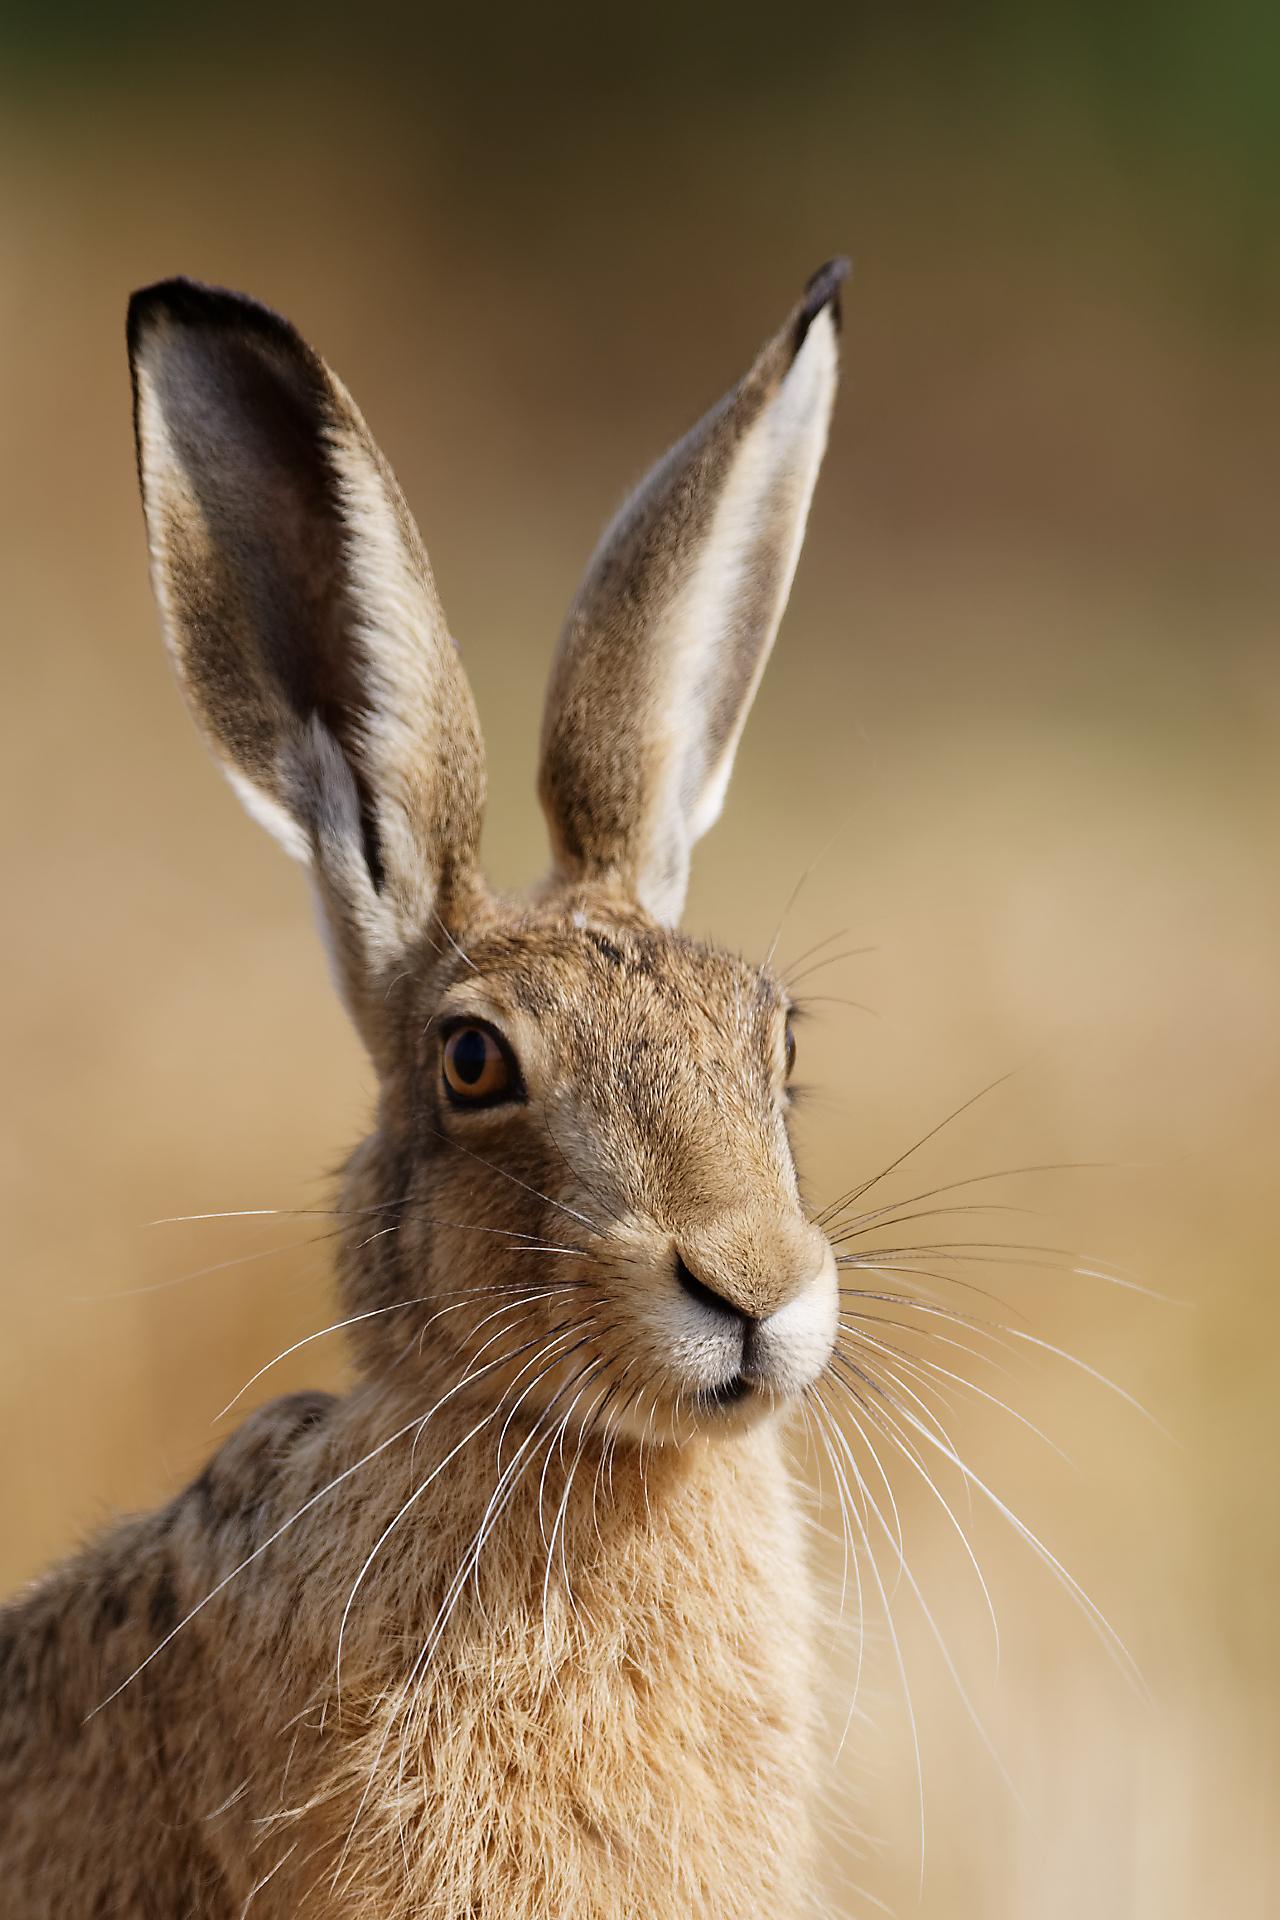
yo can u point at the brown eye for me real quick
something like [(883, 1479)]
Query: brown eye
[(790, 1046), (479, 1068)]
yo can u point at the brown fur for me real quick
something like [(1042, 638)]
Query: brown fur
[(520, 1626)]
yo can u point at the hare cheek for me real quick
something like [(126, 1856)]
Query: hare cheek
[(789, 1350)]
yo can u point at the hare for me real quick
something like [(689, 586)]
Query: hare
[(521, 1625)]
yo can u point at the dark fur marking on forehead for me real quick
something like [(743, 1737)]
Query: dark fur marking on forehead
[(532, 995), (520, 954)]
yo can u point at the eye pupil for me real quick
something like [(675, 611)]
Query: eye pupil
[(478, 1067), (791, 1049), (469, 1055)]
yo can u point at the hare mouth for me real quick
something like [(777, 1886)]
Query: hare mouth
[(728, 1393)]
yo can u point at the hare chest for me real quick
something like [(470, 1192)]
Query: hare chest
[(628, 1733)]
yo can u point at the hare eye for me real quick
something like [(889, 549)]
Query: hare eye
[(790, 1050), (479, 1068)]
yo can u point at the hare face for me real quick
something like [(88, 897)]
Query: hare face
[(582, 1185), (623, 1149)]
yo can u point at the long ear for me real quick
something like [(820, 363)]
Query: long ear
[(302, 617), (668, 636)]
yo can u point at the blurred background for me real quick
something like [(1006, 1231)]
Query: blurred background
[(1020, 732)]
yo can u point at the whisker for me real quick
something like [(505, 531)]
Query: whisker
[(986, 1328), (792, 897), (865, 1379), (607, 1208), (975, 1717), (923, 1300), (890, 1624), (403, 1701), (561, 1520), (871, 1261), (407, 1200), (972, 1712), (497, 1506), (970, 1180), (923, 1361), (863, 1367), (372, 1313), (855, 1193), (992, 1252), (389, 1529), (466, 957), (830, 960), (911, 1454), (859, 1224), (1093, 1613), (610, 1432), (517, 1304), (844, 1500), (249, 1558), (787, 967), (502, 1172), (590, 1375), (242, 1213), (201, 1273)]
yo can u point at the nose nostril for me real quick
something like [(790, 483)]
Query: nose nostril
[(706, 1296)]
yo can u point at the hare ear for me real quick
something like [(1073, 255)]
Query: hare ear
[(302, 617), (668, 636)]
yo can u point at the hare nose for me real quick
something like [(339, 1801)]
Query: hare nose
[(707, 1296)]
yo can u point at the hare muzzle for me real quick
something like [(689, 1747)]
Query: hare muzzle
[(751, 1357), (787, 1352)]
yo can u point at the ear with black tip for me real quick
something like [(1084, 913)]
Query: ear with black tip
[(301, 614), (674, 621)]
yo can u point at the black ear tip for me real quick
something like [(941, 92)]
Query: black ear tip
[(821, 290), (191, 304), (177, 299)]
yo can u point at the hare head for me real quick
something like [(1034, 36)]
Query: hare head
[(581, 1189)]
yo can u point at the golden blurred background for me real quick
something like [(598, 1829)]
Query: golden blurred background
[(1021, 725)]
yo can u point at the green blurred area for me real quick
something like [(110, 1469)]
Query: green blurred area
[(1184, 71), (1182, 99)]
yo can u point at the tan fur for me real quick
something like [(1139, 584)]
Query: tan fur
[(521, 1625)]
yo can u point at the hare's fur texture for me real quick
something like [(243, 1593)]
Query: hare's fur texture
[(520, 1626)]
